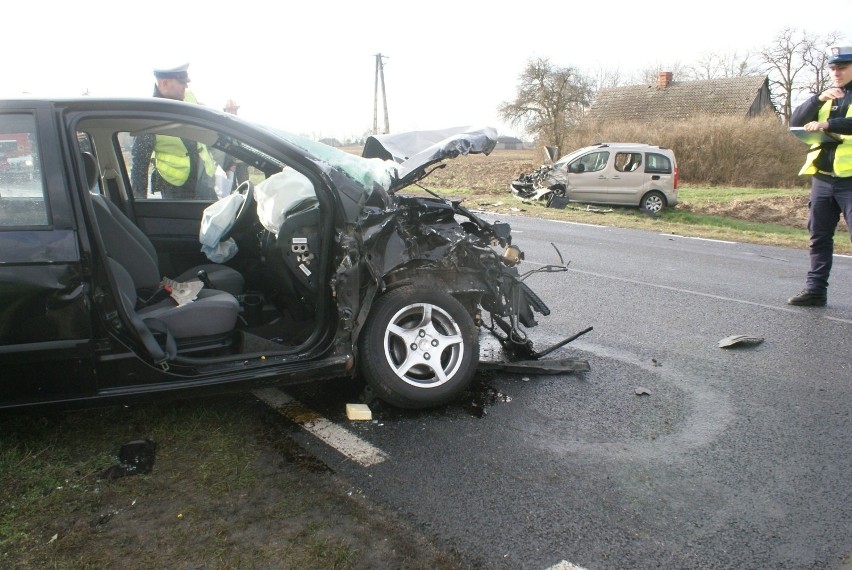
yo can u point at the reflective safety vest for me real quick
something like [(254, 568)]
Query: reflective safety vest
[(842, 156), (173, 160)]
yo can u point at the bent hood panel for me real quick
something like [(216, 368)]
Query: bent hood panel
[(416, 150)]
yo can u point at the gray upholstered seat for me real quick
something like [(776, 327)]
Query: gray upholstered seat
[(212, 313), (128, 245), (133, 262)]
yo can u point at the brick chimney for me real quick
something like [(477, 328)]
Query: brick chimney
[(664, 79)]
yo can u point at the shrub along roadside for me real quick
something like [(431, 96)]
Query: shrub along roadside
[(712, 150)]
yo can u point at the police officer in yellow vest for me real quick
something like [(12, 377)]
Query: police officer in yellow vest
[(183, 168), (830, 167)]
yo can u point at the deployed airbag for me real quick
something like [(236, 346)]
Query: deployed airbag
[(279, 195), (215, 222)]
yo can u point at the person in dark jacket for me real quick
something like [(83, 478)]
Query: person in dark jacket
[(830, 166), (183, 168)]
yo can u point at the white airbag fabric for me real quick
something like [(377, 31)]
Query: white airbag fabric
[(215, 222), (280, 194)]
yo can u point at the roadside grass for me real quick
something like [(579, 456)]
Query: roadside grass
[(677, 221), (708, 194), (223, 493)]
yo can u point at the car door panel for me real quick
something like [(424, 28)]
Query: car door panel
[(626, 187), (589, 185), (45, 297)]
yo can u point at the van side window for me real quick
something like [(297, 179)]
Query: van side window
[(591, 162), (22, 192), (628, 161), (658, 164)]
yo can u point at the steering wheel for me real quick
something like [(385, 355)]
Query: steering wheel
[(244, 213)]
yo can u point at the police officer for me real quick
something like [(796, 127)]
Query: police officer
[(183, 168), (830, 167)]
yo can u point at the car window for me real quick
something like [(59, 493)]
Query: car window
[(658, 163), (628, 161), (22, 191), (591, 162), (163, 166)]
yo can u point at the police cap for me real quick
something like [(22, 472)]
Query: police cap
[(839, 54), (179, 72)]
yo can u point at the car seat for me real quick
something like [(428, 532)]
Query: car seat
[(132, 261), (135, 252), (212, 313)]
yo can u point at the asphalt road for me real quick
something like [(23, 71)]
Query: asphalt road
[(733, 458)]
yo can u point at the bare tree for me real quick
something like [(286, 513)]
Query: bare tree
[(550, 101), (604, 78), (722, 65), (795, 64), (815, 63)]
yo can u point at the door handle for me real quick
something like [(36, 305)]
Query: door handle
[(66, 297), (655, 177)]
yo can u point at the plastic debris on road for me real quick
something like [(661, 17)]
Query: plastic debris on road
[(739, 339)]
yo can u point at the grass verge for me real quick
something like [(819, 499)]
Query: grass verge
[(229, 489)]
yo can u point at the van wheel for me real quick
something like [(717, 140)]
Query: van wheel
[(418, 348), (653, 202)]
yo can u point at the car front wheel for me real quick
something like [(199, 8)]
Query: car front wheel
[(418, 348), (653, 202)]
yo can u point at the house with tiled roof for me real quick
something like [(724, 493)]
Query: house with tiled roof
[(676, 100)]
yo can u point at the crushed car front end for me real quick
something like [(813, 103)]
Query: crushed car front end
[(429, 274)]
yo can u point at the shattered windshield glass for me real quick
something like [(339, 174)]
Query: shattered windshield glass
[(367, 172)]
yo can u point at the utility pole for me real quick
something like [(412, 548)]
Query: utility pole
[(380, 78)]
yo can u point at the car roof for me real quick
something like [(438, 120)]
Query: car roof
[(627, 145), (614, 146), (389, 174)]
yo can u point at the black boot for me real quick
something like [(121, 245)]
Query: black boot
[(808, 299)]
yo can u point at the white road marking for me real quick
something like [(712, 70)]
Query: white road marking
[(337, 437), (565, 565), (577, 224), (699, 238), (700, 294)]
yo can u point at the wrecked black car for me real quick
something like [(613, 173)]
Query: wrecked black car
[(304, 263)]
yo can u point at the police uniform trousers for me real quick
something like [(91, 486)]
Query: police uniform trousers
[(830, 197)]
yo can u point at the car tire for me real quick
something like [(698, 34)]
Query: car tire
[(653, 202), (419, 347)]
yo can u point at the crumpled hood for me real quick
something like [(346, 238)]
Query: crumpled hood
[(416, 150)]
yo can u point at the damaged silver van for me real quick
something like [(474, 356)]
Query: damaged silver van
[(618, 174), (316, 264)]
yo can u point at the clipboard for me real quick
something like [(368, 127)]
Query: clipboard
[(814, 137)]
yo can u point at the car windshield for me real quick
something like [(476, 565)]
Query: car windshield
[(367, 172)]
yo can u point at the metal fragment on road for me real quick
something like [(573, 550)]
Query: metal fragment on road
[(556, 366), (739, 339), (642, 391)]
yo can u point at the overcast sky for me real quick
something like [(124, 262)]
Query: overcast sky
[(310, 68)]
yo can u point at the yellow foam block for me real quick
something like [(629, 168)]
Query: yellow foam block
[(358, 412)]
